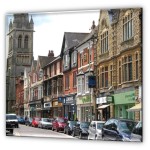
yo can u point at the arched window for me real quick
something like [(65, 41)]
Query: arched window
[(19, 41), (26, 42), (127, 26)]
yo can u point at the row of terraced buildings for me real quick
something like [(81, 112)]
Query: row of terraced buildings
[(60, 86)]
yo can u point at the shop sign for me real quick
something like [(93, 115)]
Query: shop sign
[(101, 100), (92, 81), (56, 103), (68, 100), (125, 98), (110, 99), (61, 99), (47, 105), (86, 99)]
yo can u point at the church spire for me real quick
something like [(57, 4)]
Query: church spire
[(10, 25), (31, 20)]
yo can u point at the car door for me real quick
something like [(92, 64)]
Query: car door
[(77, 129), (113, 131), (90, 130), (107, 130)]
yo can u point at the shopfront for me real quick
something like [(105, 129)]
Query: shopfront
[(70, 111), (47, 110), (123, 101), (57, 109), (104, 108), (85, 108)]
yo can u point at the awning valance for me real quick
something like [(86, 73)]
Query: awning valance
[(137, 107), (102, 106)]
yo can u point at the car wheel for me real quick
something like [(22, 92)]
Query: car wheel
[(73, 134), (80, 135), (64, 131), (96, 138), (88, 137), (68, 133), (17, 126), (57, 130)]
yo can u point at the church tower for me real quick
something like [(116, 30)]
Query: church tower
[(20, 54)]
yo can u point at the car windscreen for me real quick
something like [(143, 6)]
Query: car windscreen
[(62, 120), (126, 126), (46, 120), (72, 123), (100, 125), (11, 117), (84, 124)]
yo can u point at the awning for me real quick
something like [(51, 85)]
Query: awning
[(137, 107), (102, 107)]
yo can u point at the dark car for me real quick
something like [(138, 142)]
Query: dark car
[(68, 128), (12, 119), (118, 129), (81, 129), (59, 124), (137, 133), (21, 120), (9, 128)]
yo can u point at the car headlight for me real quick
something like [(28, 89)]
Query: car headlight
[(125, 139)]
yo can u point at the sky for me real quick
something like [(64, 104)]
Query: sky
[(49, 28)]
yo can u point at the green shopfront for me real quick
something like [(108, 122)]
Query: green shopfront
[(85, 109), (122, 102)]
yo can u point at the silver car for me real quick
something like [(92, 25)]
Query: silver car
[(45, 123), (95, 130)]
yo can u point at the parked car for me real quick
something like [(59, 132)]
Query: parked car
[(118, 129), (9, 128), (21, 120), (45, 123), (28, 122), (12, 120), (59, 124), (95, 130), (35, 122), (81, 129), (68, 128), (137, 133)]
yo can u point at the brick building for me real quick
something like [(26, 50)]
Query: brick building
[(119, 62)]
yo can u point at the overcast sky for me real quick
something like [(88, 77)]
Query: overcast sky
[(50, 27)]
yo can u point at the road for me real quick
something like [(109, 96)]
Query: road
[(38, 132)]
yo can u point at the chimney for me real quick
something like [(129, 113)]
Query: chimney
[(51, 53), (93, 25)]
